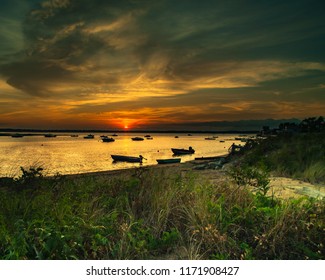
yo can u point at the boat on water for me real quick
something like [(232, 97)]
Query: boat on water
[(74, 135), (168, 160), (89, 136), (107, 139), (127, 158), (49, 135), (188, 151), (210, 138), (137, 139)]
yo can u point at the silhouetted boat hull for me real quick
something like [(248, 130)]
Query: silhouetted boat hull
[(182, 151), (126, 158), (137, 138), (89, 136), (108, 139), (169, 160)]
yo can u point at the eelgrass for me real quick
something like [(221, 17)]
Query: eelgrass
[(154, 214)]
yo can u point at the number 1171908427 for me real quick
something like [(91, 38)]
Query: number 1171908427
[(196, 270)]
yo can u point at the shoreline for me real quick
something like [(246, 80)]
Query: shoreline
[(280, 187)]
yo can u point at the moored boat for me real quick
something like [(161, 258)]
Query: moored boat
[(127, 158), (107, 139), (89, 136), (210, 138), (169, 160), (190, 150), (137, 138)]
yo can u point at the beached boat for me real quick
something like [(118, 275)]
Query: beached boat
[(108, 139), (210, 158), (137, 138), (169, 160), (127, 158), (89, 136), (183, 151)]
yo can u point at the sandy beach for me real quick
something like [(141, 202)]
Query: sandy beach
[(280, 187)]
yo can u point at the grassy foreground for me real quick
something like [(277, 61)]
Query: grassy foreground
[(300, 156), (154, 213)]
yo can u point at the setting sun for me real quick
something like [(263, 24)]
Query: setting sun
[(126, 126)]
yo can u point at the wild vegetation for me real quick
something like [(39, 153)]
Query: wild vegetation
[(296, 153), (164, 213), (155, 214)]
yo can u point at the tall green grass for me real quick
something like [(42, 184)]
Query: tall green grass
[(154, 214), (300, 156)]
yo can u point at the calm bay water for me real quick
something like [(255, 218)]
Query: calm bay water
[(71, 155)]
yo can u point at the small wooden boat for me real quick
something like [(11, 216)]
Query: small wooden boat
[(147, 136), (74, 135), (127, 158), (169, 160), (108, 139), (176, 136), (114, 134), (210, 138), (183, 151), (137, 138), (89, 136)]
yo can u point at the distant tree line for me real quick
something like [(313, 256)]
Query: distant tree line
[(312, 124)]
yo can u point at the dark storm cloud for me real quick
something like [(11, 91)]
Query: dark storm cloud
[(192, 39), (55, 43), (33, 76)]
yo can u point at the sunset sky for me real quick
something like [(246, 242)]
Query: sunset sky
[(107, 64)]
